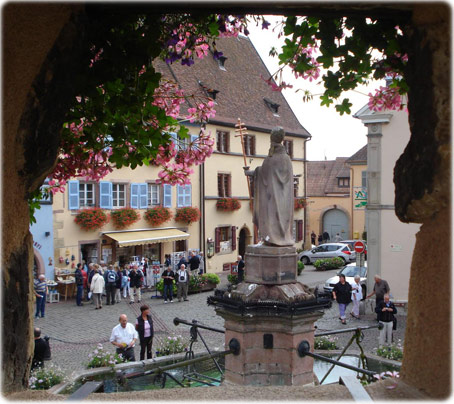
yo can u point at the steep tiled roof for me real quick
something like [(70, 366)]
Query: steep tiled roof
[(360, 156), (322, 176), (241, 89)]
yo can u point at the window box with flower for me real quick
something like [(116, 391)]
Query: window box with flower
[(124, 217), (91, 218), (187, 215), (300, 203), (158, 215), (228, 204)]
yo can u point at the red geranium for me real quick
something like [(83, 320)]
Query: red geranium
[(91, 218), (188, 214), (158, 215), (124, 217), (228, 204)]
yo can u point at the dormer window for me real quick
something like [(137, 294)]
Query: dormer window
[(209, 92), (343, 182), (274, 107), (221, 62)]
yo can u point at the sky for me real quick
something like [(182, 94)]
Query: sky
[(333, 135)]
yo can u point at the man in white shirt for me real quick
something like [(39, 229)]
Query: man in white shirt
[(183, 283), (124, 337)]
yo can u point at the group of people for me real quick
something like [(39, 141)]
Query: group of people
[(324, 238), (344, 293)]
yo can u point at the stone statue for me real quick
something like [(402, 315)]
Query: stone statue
[(273, 194)]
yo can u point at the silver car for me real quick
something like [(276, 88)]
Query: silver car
[(350, 271), (328, 250)]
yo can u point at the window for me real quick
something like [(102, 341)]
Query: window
[(273, 106), (222, 141), (184, 195), (225, 239), (364, 179), (249, 145), (86, 194), (224, 182), (118, 196), (343, 182), (288, 144), (296, 184), (153, 194), (221, 62)]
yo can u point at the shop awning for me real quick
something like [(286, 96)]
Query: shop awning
[(125, 238)]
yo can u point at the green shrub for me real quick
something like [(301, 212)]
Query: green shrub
[(300, 267), (212, 278), (171, 345), (325, 343), (329, 263), (393, 352), (100, 358), (232, 278), (45, 378)]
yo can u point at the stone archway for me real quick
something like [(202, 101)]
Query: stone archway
[(39, 263), (336, 221), (244, 239)]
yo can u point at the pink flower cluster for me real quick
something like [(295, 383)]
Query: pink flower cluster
[(169, 98), (309, 51), (385, 98), (202, 112)]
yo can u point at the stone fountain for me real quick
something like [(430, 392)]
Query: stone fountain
[(270, 313)]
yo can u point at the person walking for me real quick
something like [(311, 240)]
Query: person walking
[(110, 278), (118, 283), (357, 295), (135, 277), (325, 236), (125, 282), (124, 337), (194, 263), (79, 284), (90, 274), (240, 268), (85, 278), (320, 239), (342, 294), (41, 291), (385, 311), (313, 236), (168, 276), (144, 328), (381, 287), (96, 288), (182, 277)]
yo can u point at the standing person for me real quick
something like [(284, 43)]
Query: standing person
[(125, 282), (202, 263), (385, 311), (79, 284), (85, 278), (118, 285), (40, 350), (337, 238), (91, 273), (96, 287), (146, 272), (182, 277), (167, 261), (320, 239), (124, 337), (110, 278), (181, 262), (240, 269), (342, 294), (135, 281), (168, 276), (41, 291), (381, 287), (325, 236), (194, 263), (357, 295), (144, 327), (313, 236)]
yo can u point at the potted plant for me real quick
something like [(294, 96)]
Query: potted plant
[(300, 203), (228, 204), (124, 217), (158, 215), (203, 283), (91, 218), (188, 215)]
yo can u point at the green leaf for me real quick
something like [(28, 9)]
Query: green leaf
[(344, 107)]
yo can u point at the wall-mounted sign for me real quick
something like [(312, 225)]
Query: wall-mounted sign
[(359, 197)]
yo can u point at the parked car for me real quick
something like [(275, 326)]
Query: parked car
[(351, 244), (328, 250), (350, 271)]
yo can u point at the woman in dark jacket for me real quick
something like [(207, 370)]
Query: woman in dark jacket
[(342, 294), (144, 327)]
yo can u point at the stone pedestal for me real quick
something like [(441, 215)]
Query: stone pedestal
[(269, 355), (270, 265)]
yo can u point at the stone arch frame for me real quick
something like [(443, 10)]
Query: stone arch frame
[(40, 262), (249, 236), (331, 207)]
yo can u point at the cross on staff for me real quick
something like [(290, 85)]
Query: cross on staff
[(242, 130)]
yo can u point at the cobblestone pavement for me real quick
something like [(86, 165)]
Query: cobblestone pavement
[(75, 331)]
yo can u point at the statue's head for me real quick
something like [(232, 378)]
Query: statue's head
[(277, 135)]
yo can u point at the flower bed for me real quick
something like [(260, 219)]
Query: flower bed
[(45, 378), (203, 283), (172, 345), (187, 215), (100, 358), (124, 217), (228, 204), (91, 219), (158, 215)]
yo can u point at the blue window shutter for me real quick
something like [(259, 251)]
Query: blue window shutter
[(135, 196), (73, 194), (167, 195), (105, 194), (180, 196), (188, 195), (143, 196)]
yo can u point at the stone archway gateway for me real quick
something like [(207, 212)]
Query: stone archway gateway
[(42, 45), (336, 221), (244, 239)]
